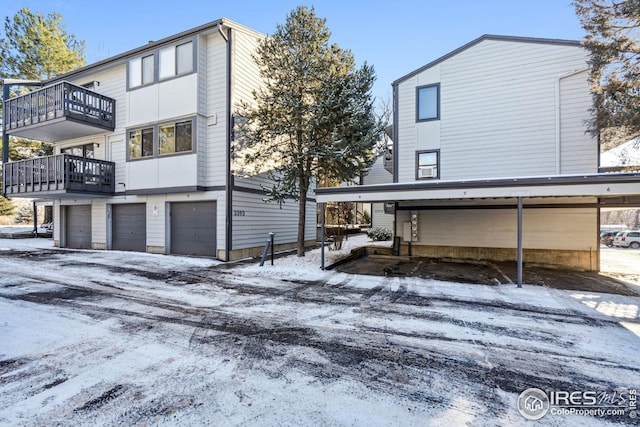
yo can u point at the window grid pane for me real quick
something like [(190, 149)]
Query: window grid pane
[(184, 58), (183, 136), (135, 145), (167, 59), (147, 69), (135, 72), (167, 139), (147, 142)]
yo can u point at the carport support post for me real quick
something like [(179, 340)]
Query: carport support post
[(35, 219), (519, 261), (322, 236)]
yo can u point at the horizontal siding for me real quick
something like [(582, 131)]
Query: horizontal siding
[(578, 149), (542, 228), (156, 210), (201, 135), (260, 218), (498, 112), (381, 219), (118, 154), (216, 111), (99, 224), (378, 174)]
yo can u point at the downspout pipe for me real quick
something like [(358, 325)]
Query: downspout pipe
[(229, 123), (558, 110)]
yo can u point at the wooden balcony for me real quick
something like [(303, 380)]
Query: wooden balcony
[(60, 176), (58, 112)]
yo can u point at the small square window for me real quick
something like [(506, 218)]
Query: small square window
[(427, 164), (428, 103)]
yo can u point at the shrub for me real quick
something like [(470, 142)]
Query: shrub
[(378, 234)]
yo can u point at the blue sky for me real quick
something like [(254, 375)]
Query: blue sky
[(395, 36)]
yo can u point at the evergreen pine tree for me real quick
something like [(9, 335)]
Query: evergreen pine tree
[(314, 117)]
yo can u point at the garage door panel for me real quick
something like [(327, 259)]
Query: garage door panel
[(78, 226), (129, 227), (193, 228)]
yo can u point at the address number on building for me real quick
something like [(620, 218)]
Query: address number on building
[(238, 213)]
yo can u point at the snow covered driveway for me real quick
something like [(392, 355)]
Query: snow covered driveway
[(114, 338)]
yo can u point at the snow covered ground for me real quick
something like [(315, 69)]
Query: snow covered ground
[(118, 338)]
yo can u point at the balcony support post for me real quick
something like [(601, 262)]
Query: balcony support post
[(5, 136)]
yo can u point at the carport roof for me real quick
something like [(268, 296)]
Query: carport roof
[(596, 185)]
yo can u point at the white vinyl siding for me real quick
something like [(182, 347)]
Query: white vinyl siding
[(254, 220), (378, 174), (578, 149), (99, 224), (497, 112), (543, 228), (216, 113)]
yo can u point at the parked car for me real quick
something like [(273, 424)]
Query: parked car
[(627, 239), (606, 237)]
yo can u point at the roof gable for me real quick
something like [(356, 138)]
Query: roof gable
[(481, 39)]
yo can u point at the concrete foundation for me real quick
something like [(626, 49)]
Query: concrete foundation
[(569, 258)]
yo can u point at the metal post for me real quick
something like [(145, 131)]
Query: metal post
[(519, 242), (271, 235), (5, 135), (322, 236), (35, 220)]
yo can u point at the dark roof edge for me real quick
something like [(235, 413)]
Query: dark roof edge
[(517, 39), (193, 31), (486, 183)]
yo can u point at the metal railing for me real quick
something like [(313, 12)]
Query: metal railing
[(59, 100), (57, 174)]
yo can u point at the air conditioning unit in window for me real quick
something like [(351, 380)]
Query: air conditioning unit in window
[(427, 172)]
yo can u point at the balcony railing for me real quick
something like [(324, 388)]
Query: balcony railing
[(59, 101), (58, 175)]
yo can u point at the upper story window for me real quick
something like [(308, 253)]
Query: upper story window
[(141, 71), (141, 143), (428, 164), (170, 62), (175, 137), (176, 60), (161, 139), (428, 102)]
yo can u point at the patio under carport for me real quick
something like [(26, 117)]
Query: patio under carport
[(562, 191)]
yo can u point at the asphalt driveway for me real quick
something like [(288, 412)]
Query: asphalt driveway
[(113, 338)]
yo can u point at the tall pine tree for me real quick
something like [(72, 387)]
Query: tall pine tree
[(612, 38), (36, 47), (313, 119)]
